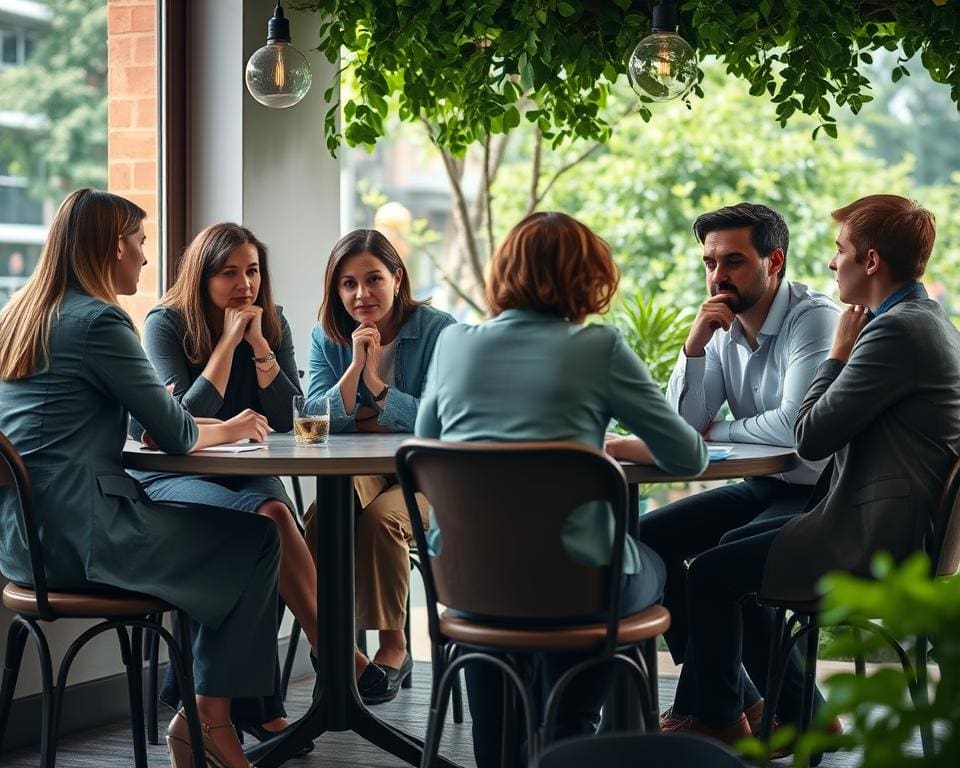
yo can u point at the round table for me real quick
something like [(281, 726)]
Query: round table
[(336, 704)]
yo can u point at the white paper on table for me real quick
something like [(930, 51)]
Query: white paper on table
[(719, 452), (241, 446)]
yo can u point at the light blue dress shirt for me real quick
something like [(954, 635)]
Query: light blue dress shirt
[(528, 375), (764, 386)]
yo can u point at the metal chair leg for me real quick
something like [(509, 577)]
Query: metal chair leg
[(921, 697), (810, 679), (153, 675), (289, 659), (774, 674), (16, 641), (131, 652)]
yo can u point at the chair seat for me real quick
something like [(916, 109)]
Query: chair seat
[(74, 605), (633, 629), (794, 606)]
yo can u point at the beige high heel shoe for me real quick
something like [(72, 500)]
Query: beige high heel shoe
[(178, 745)]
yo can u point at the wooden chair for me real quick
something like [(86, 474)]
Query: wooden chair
[(118, 610), (803, 624), (501, 509), (646, 750)]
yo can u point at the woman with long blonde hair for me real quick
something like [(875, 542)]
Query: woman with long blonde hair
[(221, 343), (71, 370)]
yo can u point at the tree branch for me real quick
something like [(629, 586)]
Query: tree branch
[(488, 196), (460, 213), (535, 171), (452, 282), (632, 107)]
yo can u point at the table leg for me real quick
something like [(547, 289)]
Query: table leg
[(336, 704)]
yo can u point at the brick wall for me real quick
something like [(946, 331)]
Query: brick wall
[(133, 125)]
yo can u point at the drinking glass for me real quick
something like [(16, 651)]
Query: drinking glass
[(311, 425)]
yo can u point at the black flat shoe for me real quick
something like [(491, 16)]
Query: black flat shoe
[(262, 734), (389, 687)]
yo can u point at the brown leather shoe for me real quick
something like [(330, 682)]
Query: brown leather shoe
[(729, 734), (834, 728), (754, 715)]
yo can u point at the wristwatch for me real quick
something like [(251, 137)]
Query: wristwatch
[(383, 394)]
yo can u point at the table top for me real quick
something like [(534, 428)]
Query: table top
[(372, 454)]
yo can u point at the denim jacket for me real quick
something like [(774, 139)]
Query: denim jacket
[(415, 341)]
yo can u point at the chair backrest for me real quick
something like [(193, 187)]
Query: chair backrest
[(649, 750), (945, 546), (501, 509), (13, 474)]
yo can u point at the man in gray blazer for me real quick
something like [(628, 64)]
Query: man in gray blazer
[(886, 405)]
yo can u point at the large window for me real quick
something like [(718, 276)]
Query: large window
[(53, 120)]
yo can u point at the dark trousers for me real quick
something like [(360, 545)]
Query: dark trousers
[(686, 529), (248, 710), (729, 633), (579, 712)]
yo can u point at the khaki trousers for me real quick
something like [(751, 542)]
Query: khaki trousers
[(382, 563)]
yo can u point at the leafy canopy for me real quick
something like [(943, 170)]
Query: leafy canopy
[(470, 69)]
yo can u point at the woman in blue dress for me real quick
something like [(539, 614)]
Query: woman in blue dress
[(71, 370), (536, 371), (369, 355), (223, 346)]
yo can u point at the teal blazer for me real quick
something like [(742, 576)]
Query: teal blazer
[(69, 422), (527, 375)]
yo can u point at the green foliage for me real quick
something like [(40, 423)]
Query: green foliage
[(472, 69), (654, 330), (882, 715), (65, 83), (643, 189)]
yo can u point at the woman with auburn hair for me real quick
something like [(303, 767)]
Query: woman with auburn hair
[(536, 372), (71, 370), (223, 346), (369, 356)]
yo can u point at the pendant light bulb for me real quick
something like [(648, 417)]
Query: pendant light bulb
[(663, 66), (278, 75)]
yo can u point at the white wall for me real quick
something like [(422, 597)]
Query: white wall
[(268, 169)]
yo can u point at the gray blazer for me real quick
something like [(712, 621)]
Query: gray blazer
[(891, 417), (69, 421)]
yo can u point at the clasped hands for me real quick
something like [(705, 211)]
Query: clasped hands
[(366, 356), (244, 324)]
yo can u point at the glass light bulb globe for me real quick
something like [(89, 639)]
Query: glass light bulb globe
[(663, 66), (278, 75)]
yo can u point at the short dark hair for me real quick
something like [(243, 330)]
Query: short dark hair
[(768, 230), (897, 228), (333, 316)]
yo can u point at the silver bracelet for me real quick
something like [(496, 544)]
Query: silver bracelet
[(266, 358)]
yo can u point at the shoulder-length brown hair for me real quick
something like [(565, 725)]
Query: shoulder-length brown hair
[(334, 318), (552, 263), (80, 252), (203, 259)]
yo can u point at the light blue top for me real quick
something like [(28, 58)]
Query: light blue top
[(415, 341), (764, 386), (526, 375)]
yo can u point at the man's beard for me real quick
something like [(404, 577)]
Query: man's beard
[(739, 302)]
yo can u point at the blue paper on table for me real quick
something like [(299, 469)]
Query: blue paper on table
[(719, 452)]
